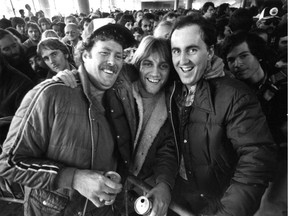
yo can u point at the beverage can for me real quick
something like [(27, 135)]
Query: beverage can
[(143, 206), (114, 176)]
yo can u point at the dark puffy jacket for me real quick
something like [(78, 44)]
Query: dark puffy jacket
[(228, 150), (55, 131), (13, 87)]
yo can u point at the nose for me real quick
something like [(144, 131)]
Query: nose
[(237, 62), (183, 58), (51, 60), (155, 71), (111, 60), (13, 51)]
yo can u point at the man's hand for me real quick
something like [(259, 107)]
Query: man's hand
[(68, 77), (95, 186), (161, 197)]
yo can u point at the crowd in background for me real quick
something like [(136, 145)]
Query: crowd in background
[(247, 38)]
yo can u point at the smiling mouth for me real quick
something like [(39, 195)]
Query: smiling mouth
[(153, 80), (107, 71), (186, 69)]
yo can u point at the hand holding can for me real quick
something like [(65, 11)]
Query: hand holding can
[(114, 176)]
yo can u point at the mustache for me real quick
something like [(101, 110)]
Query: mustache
[(13, 56)]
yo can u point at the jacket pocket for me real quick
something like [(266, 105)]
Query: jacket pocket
[(42, 202)]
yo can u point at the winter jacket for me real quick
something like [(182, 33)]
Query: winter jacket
[(155, 151), (55, 131), (228, 151), (154, 154), (272, 94), (13, 87)]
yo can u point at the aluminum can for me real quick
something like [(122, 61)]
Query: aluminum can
[(114, 176), (143, 206)]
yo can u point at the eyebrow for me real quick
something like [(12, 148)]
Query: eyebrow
[(241, 53), (192, 46), (55, 51), (187, 48), (110, 50)]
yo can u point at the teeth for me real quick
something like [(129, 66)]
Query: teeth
[(108, 71), (185, 69), (153, 80)]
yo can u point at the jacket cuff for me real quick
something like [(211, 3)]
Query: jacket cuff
[(65, 178), (165, 180)]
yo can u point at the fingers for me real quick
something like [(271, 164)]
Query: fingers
[(68, 77), (106, 199), (97, 202), (55, 78), (112, 187), (159, 209), (160, 205)]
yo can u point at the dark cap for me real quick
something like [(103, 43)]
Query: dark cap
[(269, 12), (102, 24), (5, 23)]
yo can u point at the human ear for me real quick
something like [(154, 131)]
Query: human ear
[(85, 55), (210, 52)]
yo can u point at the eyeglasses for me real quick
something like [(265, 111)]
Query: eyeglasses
[(269, 21)]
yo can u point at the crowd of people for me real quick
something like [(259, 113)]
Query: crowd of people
[(192, 102)]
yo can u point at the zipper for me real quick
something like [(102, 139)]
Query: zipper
[(92, 154), (173, 127)]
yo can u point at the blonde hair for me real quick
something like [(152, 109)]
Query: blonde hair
[(149, 45)]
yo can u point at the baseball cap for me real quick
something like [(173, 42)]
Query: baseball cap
[(102, 24), (269, 12)]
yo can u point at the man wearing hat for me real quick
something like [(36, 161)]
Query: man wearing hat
[(269, 19), (63, 140)]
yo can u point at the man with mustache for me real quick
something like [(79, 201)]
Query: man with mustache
[(15, 54), (37, 63), (62, 141)]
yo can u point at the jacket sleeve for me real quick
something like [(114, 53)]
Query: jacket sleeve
[(166, 167), (248, 131), (23, 159)]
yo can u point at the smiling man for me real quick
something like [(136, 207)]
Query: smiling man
[(228, 154), (62, 140)]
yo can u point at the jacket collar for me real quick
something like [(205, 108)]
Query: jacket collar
[(85, 82), (202, 99)]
